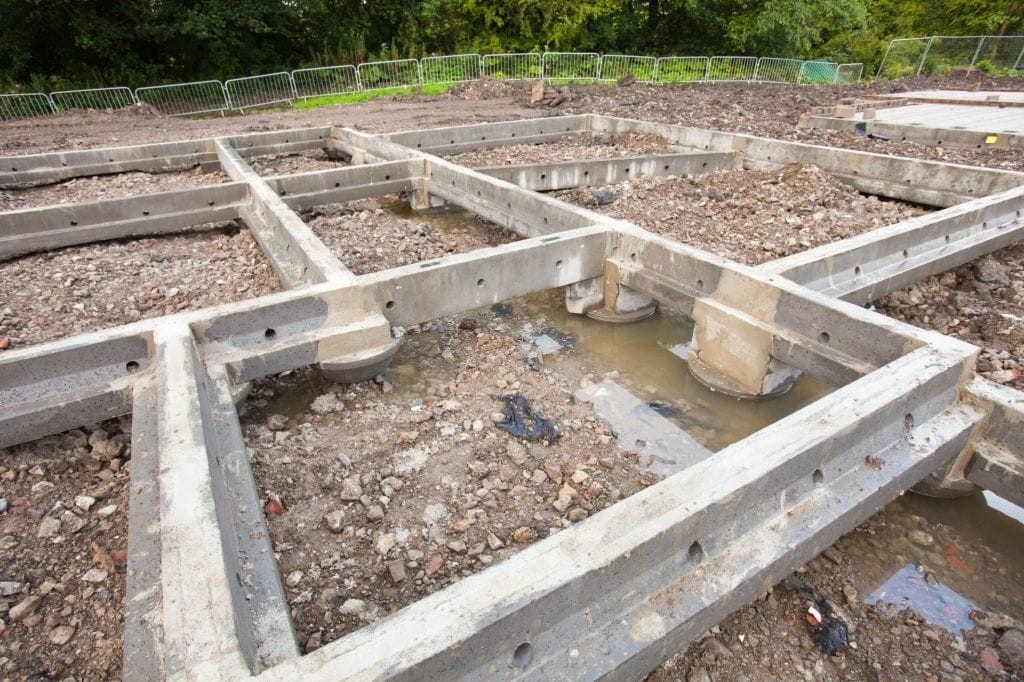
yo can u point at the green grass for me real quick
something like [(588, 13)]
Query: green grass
[(357, 97)]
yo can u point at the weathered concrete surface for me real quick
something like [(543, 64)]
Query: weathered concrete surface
[(204, 596)]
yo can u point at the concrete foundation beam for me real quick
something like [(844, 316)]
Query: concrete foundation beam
[(544, 177), (40, 229), (296, 255), (704, 541), (868, 266)]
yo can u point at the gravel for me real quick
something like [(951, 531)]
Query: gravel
[(86, 288), (98, 187), (62, 560), (287, 164), (582, 146), (367, 237), (748, 216)]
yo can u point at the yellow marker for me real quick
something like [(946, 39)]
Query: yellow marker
[(991, 139)]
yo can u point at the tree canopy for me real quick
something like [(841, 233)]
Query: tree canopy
[(89, 43)]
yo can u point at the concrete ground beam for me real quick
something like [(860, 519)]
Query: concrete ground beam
[(36, 169), (292, 141), (305, 190), (463, 138), (702, 543), (196, 629), (868, 266), (295, 253), (545, 177), (41, 229), (53, 387), (994, 460), (930, 183)]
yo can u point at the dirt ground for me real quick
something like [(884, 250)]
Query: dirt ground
[(63, 547), (367, 527), (367, 238)]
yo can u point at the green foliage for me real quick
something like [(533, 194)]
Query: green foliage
[(62, 44)]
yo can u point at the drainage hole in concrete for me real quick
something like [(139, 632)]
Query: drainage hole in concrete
[(387, 177), (145, 213), (389, 305), (270, 333), (817, 477), (337, 184), (209, 203), (480, 282), (906, 253), (543, 176), (132, 366), (700, 284), (856, 270), (74, 223), (695, 553), (558, 265), (908, 421), (666, 166), (523, 655), (947, 238), (824, 337)]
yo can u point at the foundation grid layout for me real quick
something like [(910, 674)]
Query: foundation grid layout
[(618, 593)]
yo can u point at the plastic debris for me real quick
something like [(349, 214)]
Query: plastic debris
[(522, 422), (828, 629)]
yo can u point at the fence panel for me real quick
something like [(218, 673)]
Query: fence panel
[(24, 105), (398, 73), (513, 66), (902, 57), (849, 73), (615, 66), (96, 98), (325, 80), (731, 68), (457, 68), (949, 53), (259, 91), (182, 99), (682, 69), (1001, 55), (818, 73), (776, 70), (572, 66)]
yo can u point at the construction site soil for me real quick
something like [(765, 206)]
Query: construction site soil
[(391, 489)]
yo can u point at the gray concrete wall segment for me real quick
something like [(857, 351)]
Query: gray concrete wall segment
[(544, 177), (60, 411), (261, 613), (57, 166), (319, 181), (295, 253), (487, 132), (143, 634), (935, 136), (475, 626), (425, 291), (871, 264), (688, 138), (280, 141), (199, 640), (999, 470)]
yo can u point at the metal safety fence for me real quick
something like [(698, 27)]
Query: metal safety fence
[(572, 66), (682, 69), (206, 97), (939, 55), (513, 67), (459, 68), (325, 81), (24, 105), (397, 73), (181, 99), (97, 98), (614, 67), (777, 70), (731, 68), (259, 91)]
